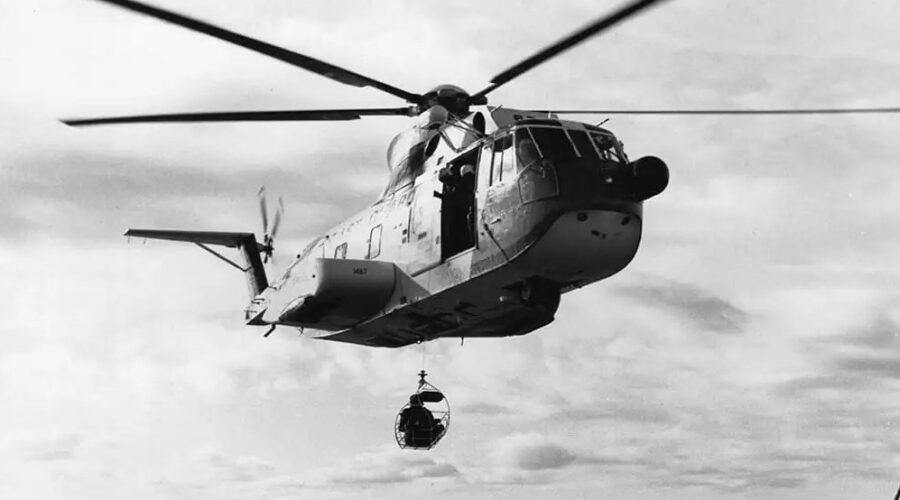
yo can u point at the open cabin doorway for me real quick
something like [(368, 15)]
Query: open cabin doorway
[(459, 179)]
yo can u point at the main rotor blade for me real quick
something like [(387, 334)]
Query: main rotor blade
[(246, 116), (308, 63), (798, 111), (566, 43)]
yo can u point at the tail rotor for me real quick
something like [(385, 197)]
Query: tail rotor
[(269, 233)]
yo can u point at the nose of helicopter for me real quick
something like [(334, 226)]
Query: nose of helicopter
[(635, 182), (583, 246), (597, 229)]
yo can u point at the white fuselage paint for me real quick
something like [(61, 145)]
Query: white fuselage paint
[(573, 251)]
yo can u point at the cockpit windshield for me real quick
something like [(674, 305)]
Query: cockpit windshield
[(550, 143), (534, 142)]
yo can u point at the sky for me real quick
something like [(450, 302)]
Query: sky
[(749, 351)]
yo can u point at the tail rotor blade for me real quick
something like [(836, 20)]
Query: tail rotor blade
[(269, 233), (261, 194), (277, 222)]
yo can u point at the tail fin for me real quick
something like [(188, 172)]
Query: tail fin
[(245, 242)]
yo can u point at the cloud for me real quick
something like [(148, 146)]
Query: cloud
[(543, 456), (390, 465), (213, 473), (887, 367), (242, 468), (440, 470), (865, 355), (485, 408), (625, 411), (532, 452), (855, 359), (702, 308), (827, 381), (879, 334), (95, 196), (733, 479), (49, 446)]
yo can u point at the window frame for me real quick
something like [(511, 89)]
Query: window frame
[(590, 141), (565, 131), (537, 147), (340, 251), (486, 163), (496, 161), (373, 237), (618, 156)]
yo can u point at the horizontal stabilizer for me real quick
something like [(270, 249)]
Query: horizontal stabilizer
[(231, 240), (245, 242)]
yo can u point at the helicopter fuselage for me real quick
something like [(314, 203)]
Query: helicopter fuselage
[(496, 224)]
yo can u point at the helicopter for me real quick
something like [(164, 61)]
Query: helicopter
[(489, 214)]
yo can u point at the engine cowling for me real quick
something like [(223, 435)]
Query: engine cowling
[(340, 293), (650, 176)]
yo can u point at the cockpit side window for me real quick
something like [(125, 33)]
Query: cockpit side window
[(606, 146), (527, 151)]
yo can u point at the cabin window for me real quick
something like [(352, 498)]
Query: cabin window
[(375, 242), (504, 159), (583, 144), (341, 251), (484, 167), (553, 143)]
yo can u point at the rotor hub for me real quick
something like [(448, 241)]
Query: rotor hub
[(452, 97)]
